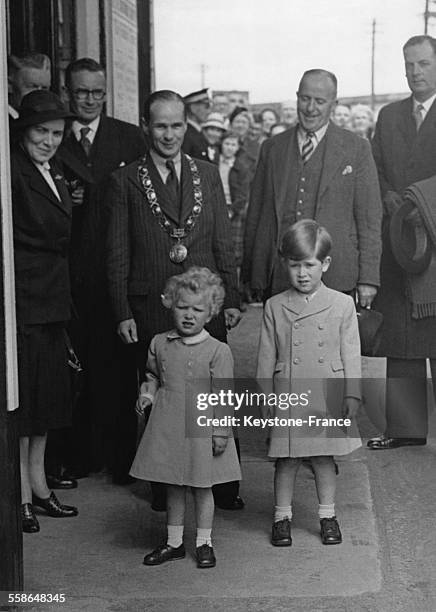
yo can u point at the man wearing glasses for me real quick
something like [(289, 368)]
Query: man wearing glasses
[(101, 145)]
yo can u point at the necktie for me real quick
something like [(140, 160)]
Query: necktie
[(419, 117), (84, 140), (308, 147), (172, 182)]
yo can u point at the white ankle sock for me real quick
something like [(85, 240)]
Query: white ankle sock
[(204, 536), (282, 512), (175, 535), (326, 511)]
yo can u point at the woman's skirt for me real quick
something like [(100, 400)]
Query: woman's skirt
[(43, 378)]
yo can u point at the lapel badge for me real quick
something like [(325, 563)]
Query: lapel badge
[(347, 170), (58, 177), (123, 163)]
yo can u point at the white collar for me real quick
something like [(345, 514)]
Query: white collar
[(174, 335), (93, 127), (427, 104), (194, 124), (319, 134)]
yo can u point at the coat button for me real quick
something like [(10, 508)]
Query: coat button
[(320, 326), (320, 343), (296, 325), (321, 360), (303, 178), (297, 342), (296, 361)]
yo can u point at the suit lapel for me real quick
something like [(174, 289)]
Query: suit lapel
[(333, 158), (283, 168), (406, 123), (187, 191), (38, 184)]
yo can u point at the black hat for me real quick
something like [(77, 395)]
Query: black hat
[(237, 111), (39, 106), (411, 244)]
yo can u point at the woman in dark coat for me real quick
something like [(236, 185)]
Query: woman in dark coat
[(42, 223)]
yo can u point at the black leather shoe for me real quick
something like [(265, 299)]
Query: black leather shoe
[(281, 533), (205, 556), (330, 532), (236, 504), (383, 442), (61, 482), (53, 507), (164, 553), (29, 520)]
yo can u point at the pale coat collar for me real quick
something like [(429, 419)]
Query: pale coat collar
[(200, 337), (296, 303)]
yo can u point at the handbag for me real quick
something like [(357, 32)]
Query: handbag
[(370, 323)]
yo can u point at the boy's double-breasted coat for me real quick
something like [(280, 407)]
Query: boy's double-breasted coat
[(310, 347)]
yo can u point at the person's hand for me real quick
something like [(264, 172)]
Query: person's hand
[(392, 202), (127, 331), (141, 404), (219, 444), (366, 295), (232, 317), (351, 407), (77, 195), (414, 218)]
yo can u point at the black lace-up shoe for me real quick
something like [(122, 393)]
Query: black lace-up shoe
[(281, 533), (330, 532), (164, 553)]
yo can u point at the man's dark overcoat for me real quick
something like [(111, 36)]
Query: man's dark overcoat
[(403, 156)]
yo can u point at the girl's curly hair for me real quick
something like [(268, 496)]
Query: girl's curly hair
[(196, 280)]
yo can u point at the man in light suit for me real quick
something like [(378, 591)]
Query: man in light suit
[(167, 212), (404, 149), (105, 433), (318, 171)]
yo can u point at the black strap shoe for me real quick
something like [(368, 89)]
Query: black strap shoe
[(164, 553), (205, 556), (28, 518), (281, 533), (53, 507), (235, 504), (330, 532)]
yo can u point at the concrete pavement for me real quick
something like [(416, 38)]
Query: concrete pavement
[(385, 505)]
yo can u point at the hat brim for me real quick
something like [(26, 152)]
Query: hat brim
[(37, 118), (411, 244)]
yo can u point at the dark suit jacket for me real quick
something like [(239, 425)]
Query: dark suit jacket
[(195, 144), (116, 143), (403, 156), (348, 205), (42, 226), (138, 262)]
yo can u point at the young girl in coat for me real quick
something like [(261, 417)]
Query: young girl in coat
[(310, 335), (183, 363)]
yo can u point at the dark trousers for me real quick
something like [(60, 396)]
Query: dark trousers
[(406, 397)]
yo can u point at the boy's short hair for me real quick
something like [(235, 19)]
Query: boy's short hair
[(196, 280), (305, 239)]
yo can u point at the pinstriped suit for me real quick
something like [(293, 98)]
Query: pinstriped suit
[(138, 262)]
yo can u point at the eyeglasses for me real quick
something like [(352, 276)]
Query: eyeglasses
[(83, 94)]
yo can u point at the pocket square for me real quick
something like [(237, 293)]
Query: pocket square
[(347, 170)]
